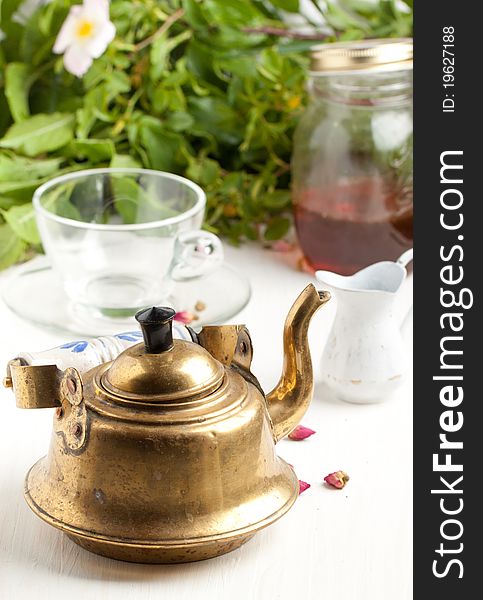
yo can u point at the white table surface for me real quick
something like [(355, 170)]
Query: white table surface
[(352, 544)]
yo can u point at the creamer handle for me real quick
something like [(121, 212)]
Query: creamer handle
[(404, 302)]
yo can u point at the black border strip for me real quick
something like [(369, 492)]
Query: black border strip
[(460, 133)]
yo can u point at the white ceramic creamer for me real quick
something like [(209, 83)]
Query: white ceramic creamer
[(365, 360)]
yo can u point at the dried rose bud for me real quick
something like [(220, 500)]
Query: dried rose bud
[(300, 433), (303, 485), (338, 479), (184, 317), (200, 306)]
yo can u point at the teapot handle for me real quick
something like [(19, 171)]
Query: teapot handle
[(36, 376), (84, 355)]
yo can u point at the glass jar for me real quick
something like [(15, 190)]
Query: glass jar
[(352, 159)]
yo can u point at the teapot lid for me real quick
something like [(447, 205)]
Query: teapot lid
[(162, 369)]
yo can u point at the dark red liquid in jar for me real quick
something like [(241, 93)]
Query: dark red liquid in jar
[(349, 226)]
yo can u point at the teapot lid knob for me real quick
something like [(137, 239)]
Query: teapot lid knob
[(156, 325)]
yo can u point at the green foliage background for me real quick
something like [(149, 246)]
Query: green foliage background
[(209, 89)]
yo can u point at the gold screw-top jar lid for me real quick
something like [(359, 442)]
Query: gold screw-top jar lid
[(363, 55)]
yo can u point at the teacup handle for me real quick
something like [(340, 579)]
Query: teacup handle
[(196, 253)]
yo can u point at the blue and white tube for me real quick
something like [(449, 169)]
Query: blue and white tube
[(84, 355)]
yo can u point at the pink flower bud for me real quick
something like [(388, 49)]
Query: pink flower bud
[(300, 433), (184, 317), (303, 485), (338, 479)]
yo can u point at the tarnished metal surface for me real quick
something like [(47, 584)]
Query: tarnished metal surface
[(156, 477), (290, 399), (184, 371), (166, 484), (34, 387)]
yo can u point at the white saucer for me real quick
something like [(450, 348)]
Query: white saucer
[(35, 293)]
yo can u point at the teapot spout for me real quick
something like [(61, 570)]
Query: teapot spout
[(289, 400)]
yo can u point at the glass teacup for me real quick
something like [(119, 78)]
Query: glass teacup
[(119, 238)]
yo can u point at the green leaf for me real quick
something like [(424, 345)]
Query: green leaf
[(199, 61), (271, 65), (127, 198), (35, 48), (92, 149), (6, 203), (277, 228), (340, 17), (161, 146), (243, 66), (13, 31), (218, 118), (40, 133), (367, 7), (288, 5), (117, 82), (179, 121), (138, 205), (22, 221), (350, 35), (124, 161), (17, 90), (11, 246), (231, 12), (60, 202), (277, 200), (204, 171), (18, 168), (160, 51), (5, 118), (193, 13), (295, 47), (19, 191), (206, 99), (85, 121)]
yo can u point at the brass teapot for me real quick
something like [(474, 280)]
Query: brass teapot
[(167, 453)]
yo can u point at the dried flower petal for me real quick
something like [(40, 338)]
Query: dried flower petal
[(338, 479), (184, 317), (303, 485), (282, 246), (300, 433)]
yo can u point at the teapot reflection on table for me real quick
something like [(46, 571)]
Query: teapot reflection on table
[(164, 450)]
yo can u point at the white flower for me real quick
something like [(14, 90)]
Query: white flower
[(85, 35)]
